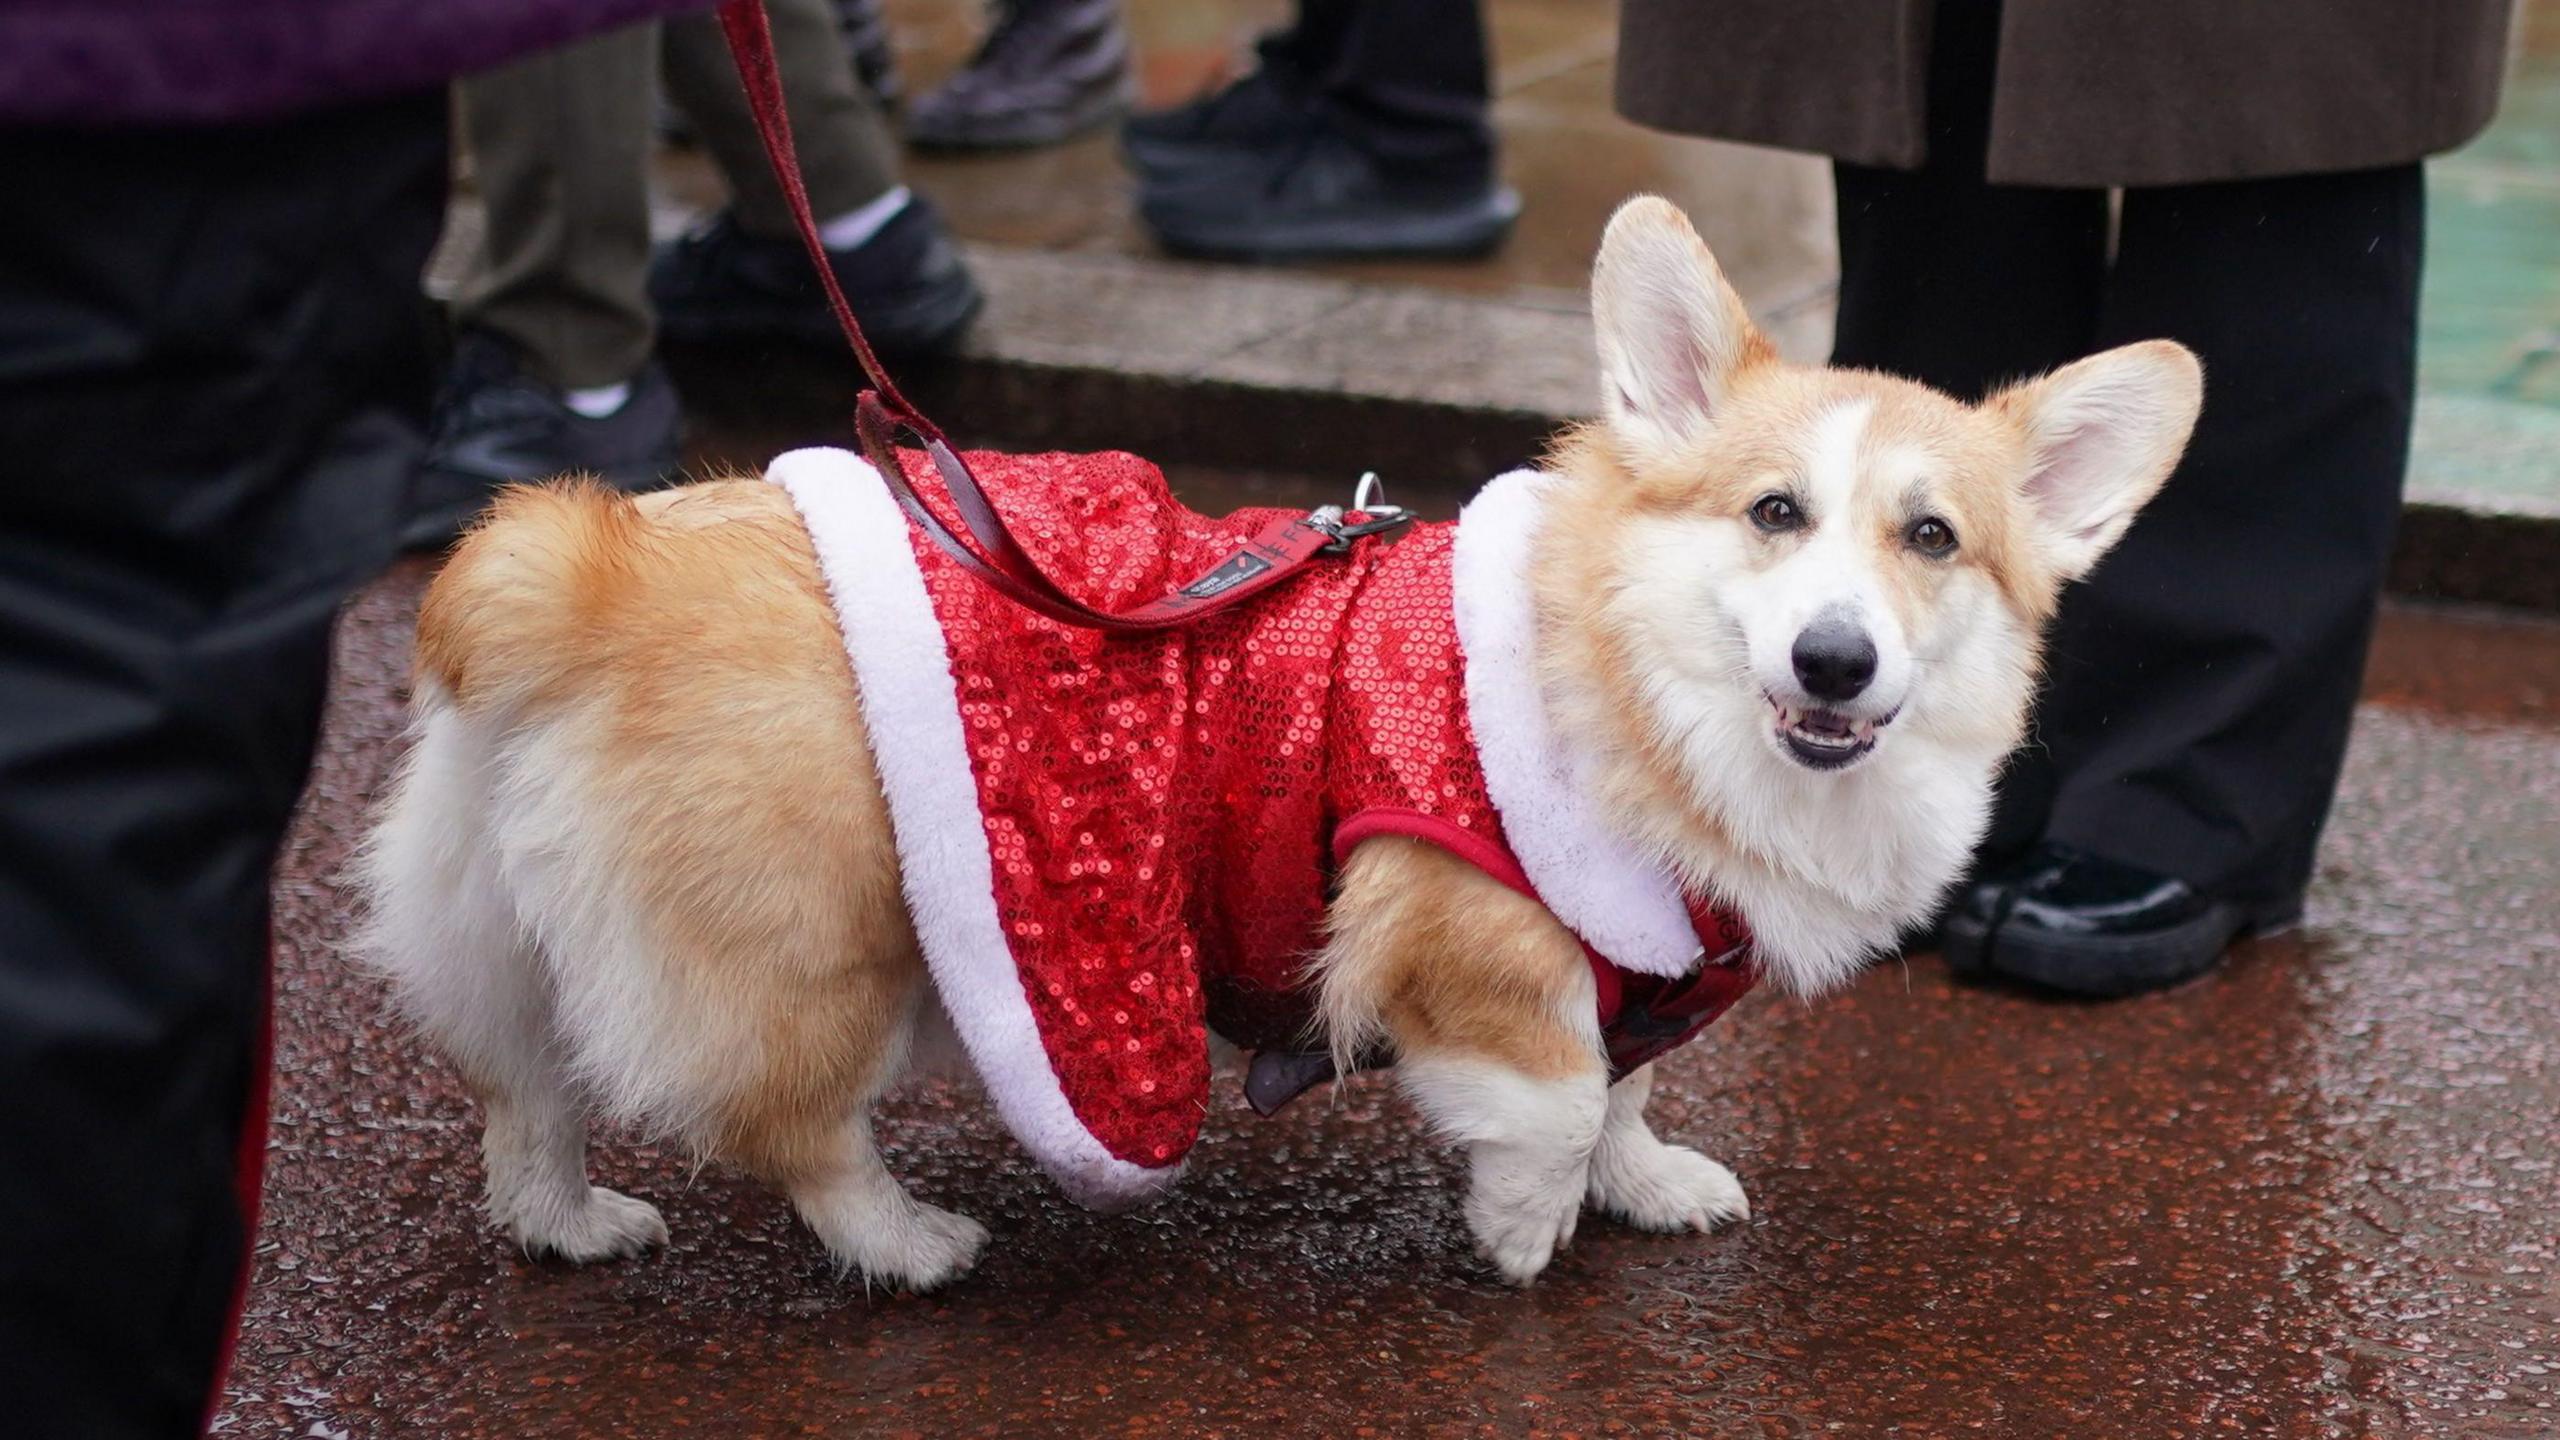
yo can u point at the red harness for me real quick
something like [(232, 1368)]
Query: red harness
[(1642, 1017)]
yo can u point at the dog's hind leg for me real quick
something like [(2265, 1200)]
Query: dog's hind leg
[(445, 929), (1637, 1178), (869, 1222), (688, 822), (535, 1146), (803, 1124)]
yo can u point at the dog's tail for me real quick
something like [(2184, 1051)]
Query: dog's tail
[(500, 625)]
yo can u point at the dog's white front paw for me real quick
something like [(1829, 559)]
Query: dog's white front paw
[(915, 1247), (608, 1225), (1521, 1210), (1654, 1186)]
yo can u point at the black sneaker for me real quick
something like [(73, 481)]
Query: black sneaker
[(1049, 71), (906, 284), (1267, 107), (867, 45), (495, 425), (1323, 196)]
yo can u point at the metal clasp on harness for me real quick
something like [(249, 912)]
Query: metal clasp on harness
[(1368, 499)]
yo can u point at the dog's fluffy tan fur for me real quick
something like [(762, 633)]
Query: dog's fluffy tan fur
[(639, 862)]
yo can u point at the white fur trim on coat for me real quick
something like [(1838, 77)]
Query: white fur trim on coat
[(911, 706), (1602, 887)]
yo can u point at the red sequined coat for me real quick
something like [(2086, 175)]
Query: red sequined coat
[(1113, 844)]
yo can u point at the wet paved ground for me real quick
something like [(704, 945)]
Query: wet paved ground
[(2315, 1194)]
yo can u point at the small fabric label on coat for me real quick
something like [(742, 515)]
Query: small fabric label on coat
[(1231, 572)]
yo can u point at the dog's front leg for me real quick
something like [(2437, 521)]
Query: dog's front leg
[(1529, 1142), (1487, 1003), (1637, 1178)]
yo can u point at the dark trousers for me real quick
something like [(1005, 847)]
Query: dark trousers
[(561, 142), (1414, 72), (2201, 682), (213, 371)]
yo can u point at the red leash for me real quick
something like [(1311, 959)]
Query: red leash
[(883, 414)]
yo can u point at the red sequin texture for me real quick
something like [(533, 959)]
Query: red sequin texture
[(1159, 807)]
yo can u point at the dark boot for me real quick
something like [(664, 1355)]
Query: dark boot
[(1050, 70)]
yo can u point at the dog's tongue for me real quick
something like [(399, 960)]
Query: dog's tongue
[(1825, 722)]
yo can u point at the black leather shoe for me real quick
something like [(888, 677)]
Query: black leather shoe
[(495, 425), (906, 284), (1049, 71), (2085, 925), (1325, 195), (1964, 931)]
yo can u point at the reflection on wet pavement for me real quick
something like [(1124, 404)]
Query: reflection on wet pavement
[(2313, 1194)]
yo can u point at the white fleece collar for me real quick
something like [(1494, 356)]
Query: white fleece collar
[(1621, 902)]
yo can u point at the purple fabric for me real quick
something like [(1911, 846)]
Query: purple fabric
[(136, 62)]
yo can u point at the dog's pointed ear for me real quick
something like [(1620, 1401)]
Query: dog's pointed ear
[(2102, 436), (1673, 335)]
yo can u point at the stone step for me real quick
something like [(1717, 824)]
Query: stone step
[(1434, 389)]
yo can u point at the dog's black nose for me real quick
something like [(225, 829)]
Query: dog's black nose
[(1834, 658)]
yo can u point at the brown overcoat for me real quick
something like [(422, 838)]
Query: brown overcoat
[(2090, 92)]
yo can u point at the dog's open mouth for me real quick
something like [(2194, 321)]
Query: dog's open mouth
[(1825, 739)]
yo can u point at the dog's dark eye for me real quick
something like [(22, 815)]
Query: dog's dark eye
[(1933, 536), (1776, 512)]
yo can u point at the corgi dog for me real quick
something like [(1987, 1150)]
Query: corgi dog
[(714, 826)]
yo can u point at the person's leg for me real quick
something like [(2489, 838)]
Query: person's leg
[(213, 374), (552, 368), (560, 146), (870, 48), (1313, 45), (848, 157), (1268, 105), (2204, 677), (1962, 284), (1947, 278), (744, 278), (1415, 74)]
